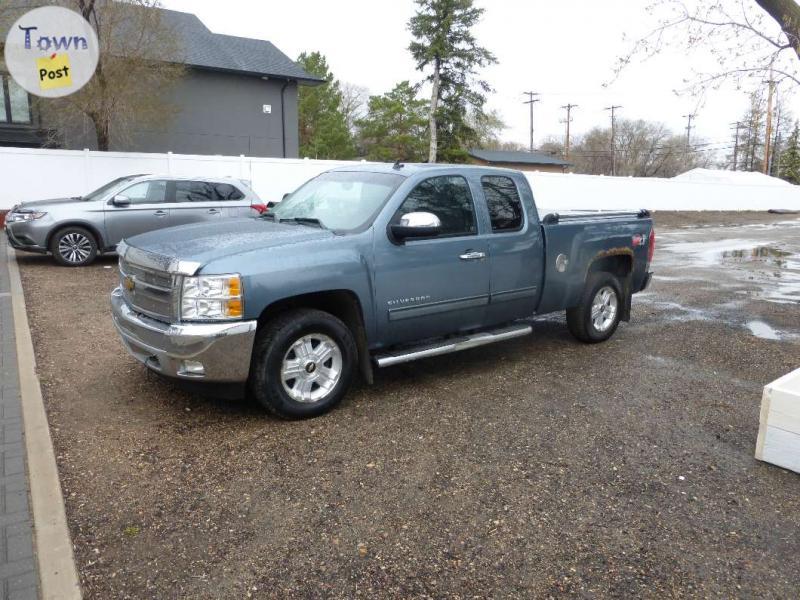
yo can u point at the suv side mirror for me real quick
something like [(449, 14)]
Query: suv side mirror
[(416, 225), (121, 201)]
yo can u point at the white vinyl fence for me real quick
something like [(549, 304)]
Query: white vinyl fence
[(34, 174)]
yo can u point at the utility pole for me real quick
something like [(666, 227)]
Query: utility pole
[(531, 101), (738, 125), (568, 108), (690, 117), (613, 109), (768, 136)]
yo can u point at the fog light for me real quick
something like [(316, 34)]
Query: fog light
[(192, 368)]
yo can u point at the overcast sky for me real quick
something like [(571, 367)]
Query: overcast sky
[(564, 49)]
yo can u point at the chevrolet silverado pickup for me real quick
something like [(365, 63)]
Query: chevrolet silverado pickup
[(370, 266)]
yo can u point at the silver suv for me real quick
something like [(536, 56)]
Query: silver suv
[(76, 230)]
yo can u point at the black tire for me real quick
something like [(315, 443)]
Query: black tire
[(73, 247), (579, 318), (274, 344)]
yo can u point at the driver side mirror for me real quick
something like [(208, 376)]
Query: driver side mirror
[(121, 201), (416, 225)]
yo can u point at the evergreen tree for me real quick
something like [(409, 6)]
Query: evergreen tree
[(443, 42), (790, 159), (324, 132), (394, 126)]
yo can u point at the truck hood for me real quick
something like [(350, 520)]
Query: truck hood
[(204, 242)]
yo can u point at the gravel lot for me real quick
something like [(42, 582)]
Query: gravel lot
[(538, 467)]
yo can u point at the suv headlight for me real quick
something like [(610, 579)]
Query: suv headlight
[(14, 217), (212, 298)]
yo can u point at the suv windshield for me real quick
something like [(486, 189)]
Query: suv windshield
[(103, 190), (339, 200)]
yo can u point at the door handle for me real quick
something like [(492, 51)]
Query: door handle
[(470, 255), (161, 213), (213, 211)]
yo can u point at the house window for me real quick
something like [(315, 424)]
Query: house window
[(15, 104)]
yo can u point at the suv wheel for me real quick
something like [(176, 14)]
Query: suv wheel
[(597, 316), (303, 363), (74, 247)]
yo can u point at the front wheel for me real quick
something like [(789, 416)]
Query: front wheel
[(303, 364), (74, 247), (597, 316)]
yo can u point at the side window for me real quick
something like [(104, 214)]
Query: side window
[(146, 192), (505, 206), (194, 191), (226, 191), (448, 198)]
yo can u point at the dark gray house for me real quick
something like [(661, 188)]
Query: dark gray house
[(238, 96)]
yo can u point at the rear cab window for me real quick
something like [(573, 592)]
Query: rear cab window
[(504, 203)]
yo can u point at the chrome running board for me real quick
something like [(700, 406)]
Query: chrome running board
[(452, 345)]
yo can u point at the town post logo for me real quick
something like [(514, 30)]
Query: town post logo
[(51, 51)]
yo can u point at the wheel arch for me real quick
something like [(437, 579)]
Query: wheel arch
[(83, 225), (618, 262), (341, 303)]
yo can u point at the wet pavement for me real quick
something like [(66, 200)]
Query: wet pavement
[(745, 275)]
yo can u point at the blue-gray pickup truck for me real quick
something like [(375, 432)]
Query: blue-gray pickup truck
[(370, 266)]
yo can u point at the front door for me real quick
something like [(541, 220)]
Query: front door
[(435, 286), (147, 210)]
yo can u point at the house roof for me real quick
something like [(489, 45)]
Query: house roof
[(509, 156), (197, 46), (201, 48)]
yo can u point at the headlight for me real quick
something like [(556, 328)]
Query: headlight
[(212, 298), (14, 217)]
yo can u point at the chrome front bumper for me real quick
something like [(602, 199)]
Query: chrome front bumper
[(223, 349)]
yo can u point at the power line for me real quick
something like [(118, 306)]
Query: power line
[(531, 101)]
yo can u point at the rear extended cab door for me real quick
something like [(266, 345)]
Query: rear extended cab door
[(516, 247)]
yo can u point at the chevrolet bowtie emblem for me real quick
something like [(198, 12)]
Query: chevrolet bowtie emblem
[(129, 283)]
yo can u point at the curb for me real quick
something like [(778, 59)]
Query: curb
[(58, 575)]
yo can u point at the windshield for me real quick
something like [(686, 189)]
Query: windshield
[(103, 190), (339, 200)]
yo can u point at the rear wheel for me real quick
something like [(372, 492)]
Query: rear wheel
[(597, 316), (74, 247), (303, 364)]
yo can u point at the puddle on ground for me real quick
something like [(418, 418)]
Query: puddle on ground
[(763, 330), (769, 255), (770, 267), (720, 313)]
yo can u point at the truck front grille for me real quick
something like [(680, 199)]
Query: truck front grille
[(150, 291)]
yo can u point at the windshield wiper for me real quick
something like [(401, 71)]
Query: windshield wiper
[(305, 221)]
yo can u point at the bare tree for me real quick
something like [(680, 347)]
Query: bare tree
[(354, 103), (747, 39), (140, 58), (642, 149)]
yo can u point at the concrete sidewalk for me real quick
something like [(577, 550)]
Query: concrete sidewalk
[(18, 576)]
